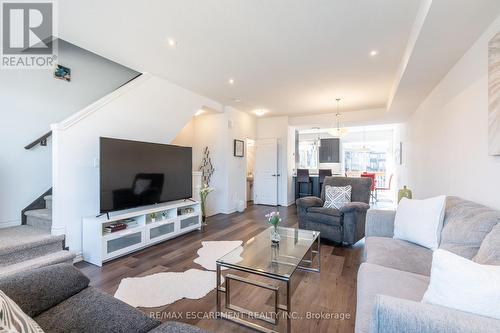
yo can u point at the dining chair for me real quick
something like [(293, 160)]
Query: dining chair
[(304, 178)]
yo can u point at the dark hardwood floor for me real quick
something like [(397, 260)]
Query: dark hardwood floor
[(328, 299)]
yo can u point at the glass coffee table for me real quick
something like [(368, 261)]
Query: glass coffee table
[(298, 249)]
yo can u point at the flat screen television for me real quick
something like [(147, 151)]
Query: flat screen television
[(134, 173)]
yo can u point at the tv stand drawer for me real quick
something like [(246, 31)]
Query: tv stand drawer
[(124, 244), (160, 232), (190, 222)]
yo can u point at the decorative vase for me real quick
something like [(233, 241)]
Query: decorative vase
[(275, 254), (404, 193), (203, 222), (275, 236)]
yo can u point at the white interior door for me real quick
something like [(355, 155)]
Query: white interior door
[(266, 172)]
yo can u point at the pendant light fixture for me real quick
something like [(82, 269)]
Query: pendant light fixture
[(364, 149), (338, 131)]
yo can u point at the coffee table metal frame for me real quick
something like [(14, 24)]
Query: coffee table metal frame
[(277, 305)]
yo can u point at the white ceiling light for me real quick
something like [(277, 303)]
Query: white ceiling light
[(231, 81), (172, 42), (373, 53), (338, 131), (260, 112), (199, 112)]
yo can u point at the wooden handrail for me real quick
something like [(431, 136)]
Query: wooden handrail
[(41, 140)]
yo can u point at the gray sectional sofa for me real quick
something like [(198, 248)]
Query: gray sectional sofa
[(395, 274), (59, 299)]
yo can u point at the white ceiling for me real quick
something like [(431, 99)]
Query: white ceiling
[(292, 57), (288, 56), (449, 29)]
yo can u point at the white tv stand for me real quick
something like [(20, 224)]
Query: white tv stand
[(99, 246)]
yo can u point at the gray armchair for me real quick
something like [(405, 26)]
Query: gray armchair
[(346, 225)]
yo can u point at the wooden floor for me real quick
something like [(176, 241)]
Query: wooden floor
[(329, 296)]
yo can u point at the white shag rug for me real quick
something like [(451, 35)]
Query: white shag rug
[(213, 250), (165, 288)]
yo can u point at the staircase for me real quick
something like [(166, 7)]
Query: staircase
[(41, 218), (31, 246)]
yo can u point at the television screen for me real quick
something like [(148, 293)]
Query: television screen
[(134, 174)]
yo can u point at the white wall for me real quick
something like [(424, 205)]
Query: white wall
[(400, 170), (447, 137), (290, 156), (217, 132), (148, 109), (211, 131), (186, 136), (241, 126), (31, 100)]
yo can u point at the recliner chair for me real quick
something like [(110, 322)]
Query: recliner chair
[(344, 226)]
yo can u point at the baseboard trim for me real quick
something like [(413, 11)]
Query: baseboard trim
[(230, 211), (7, 224), (78, 258), (58, 230)]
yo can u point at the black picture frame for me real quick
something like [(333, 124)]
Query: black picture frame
[(239, 148), (399, 154), (62, 73)]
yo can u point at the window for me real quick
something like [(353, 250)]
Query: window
[(357, 162), (369, 161), (308, 154)]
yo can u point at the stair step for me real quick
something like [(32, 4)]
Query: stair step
[(25, 242), (44, 213), (62, 256), (40, 219), (48, 201)]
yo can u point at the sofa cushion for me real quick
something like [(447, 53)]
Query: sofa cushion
[(396, 315), (321, 218), (176, 327), (489, 252), (93, 311), (376, 280), (398, 254), (324, 210), (47, 285), (466, 225)]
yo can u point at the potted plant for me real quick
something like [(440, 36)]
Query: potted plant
[(152, 217), (274, 219), (204, 192)]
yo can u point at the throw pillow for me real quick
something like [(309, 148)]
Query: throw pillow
[(464, 285), (13, 319), (420, 221), (337, 197), (489, 252)]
